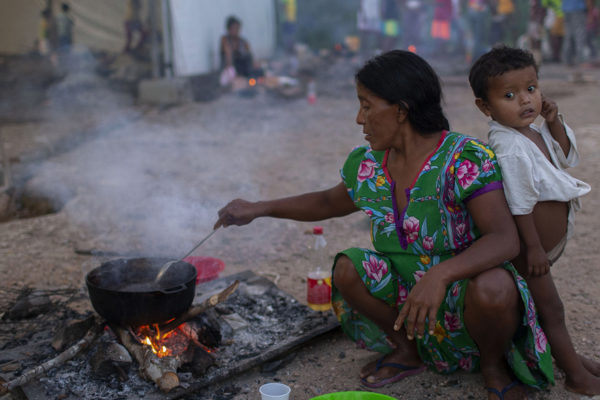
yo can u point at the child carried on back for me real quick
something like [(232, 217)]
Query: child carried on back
[(541, 195)]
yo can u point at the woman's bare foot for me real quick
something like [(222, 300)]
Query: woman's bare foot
[(588, 385), (370, 373), (592, 366)]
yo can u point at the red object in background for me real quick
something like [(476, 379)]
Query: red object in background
[(208, 268)]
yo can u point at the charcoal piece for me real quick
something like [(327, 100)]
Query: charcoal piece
[(201, 362), (110, 358), (29, 304), (71, 332), (208, 330)]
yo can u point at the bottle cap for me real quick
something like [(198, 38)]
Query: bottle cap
[(317, 230)]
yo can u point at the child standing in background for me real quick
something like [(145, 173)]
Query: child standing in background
[(541, 195)]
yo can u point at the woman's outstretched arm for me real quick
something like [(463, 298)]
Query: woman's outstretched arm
[(313, 206)]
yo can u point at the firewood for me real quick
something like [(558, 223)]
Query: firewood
[(66, 355), (200, 308), (163, 370), (160, 370), (111, 358)]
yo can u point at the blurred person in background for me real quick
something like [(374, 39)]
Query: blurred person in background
[(440, 26), (411, 11), (592, 29), (503, 24), (575, 14), (390, 29), (555, 25), (47, 38), (64, 28), (133, 26), (236, 55), (478, 14), (535, 29), (288, 26), (369, 22)]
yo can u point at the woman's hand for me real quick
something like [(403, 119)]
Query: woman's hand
[(422, 302), (537, 261), (238, 212)]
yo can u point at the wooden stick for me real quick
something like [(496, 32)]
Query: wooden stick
[(66, 355), (200, 308)]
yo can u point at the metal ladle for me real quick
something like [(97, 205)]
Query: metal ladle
[(168, 264)]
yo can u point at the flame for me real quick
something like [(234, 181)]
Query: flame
[(171, 343), (252, 82), (412, 48), (157, 348)]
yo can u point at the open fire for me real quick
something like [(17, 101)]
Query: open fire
[(219, 337), (171, 343)]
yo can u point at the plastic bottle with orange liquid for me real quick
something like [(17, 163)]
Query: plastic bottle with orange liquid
[(318, 282)]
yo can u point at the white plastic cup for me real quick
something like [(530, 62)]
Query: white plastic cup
[(275, 391)]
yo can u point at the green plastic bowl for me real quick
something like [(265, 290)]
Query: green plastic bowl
[(353, 396)]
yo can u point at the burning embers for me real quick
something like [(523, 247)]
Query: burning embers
[(189, 339), (175, 342)]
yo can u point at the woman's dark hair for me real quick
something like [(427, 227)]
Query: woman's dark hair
[(403, 78), (496, 62), (231, 20)]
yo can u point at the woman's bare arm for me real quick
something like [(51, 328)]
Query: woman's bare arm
[(313, 206), (227, 51)]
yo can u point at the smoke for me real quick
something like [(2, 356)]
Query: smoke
[(146, 181)]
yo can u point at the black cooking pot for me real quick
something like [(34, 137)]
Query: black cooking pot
[(123, 291)]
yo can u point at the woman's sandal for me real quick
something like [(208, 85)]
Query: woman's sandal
[(501, 393)]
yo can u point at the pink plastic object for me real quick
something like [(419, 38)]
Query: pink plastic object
[(208, 268)]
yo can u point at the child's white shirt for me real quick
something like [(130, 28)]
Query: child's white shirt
[(529, 177)]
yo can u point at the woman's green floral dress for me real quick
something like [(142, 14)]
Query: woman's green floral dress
[(434, 226)]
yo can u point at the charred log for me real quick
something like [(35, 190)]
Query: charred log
[(160, 370), (111, 358), (71, 332)]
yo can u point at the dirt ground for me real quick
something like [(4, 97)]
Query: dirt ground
[(144, 180)]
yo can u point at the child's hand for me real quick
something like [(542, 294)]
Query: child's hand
[(537, 262), (549, 110)]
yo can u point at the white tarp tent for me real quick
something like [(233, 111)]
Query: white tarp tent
[(195, 27)]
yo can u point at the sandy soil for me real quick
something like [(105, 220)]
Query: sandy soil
[(152, 185)]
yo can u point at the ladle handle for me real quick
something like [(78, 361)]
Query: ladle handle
[(200, 243)]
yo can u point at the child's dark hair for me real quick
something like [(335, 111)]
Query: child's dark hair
[(403, 78), (496, 62)]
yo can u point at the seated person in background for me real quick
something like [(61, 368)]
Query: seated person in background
[(235, 51)]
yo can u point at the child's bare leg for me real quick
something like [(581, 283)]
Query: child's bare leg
[(348, 282), (492, 314), (552, 318), (591, 365)]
